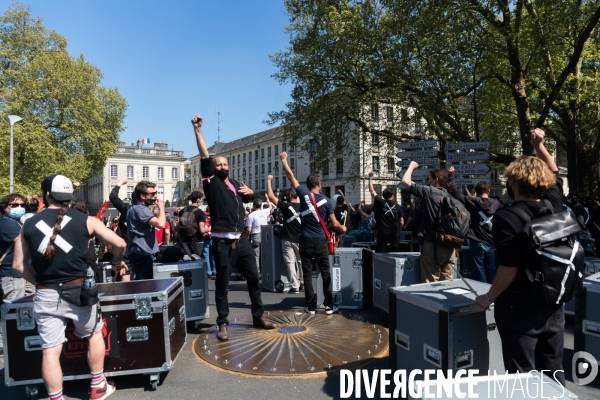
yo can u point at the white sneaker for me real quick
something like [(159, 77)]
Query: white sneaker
[(329, 310), (309, 311)]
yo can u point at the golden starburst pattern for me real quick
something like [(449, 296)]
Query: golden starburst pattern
[(300, 344)]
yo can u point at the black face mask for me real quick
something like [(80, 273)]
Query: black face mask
[(221, 173), (150, 202), (510, 192)]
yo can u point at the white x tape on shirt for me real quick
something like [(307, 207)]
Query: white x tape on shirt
[(311, 208), (59, 241), (389, 209), (293, 217), (486, 219)]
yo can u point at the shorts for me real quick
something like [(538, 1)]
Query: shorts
[(51, 314)]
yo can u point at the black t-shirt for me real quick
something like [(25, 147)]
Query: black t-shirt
[(387, 215), (581, 211), (200, 217), (511, 243), (341, 214), (409, 213), (290, 230), (9, 230), (71, 245)]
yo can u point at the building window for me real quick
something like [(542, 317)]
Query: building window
[(161, 173), (160, 192), (238, 159), (339, 166), (233, 173), (130, 172), (145, 151), (390, 142), (256, 184), (228, 162), (389, 111), (375, 163), (262, 168), (284, 183), (283, 147), (277, 182), (326, 169), (233, 160), (375, 141), (113, 171), (390, 165), (313, 168), (255, 155), (256, 170), (292, 163), (292, 147), (377, 189), (404, 114), (269, 168), (262, 184), (375, 112), (262, 154), (146, 172), (175, 173), (276, 150), (269, 151), (129, 192), (244, 158), (194, 170), (239, 175)]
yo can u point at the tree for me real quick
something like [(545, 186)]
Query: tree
[(71, 123), (167, 204), (472, 70)]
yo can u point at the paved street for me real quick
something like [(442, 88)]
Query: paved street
[(192, 378)]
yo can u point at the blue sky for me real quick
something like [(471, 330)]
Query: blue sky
[(174, 59)]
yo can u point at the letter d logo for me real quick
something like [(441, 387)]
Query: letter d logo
[(578, 369)]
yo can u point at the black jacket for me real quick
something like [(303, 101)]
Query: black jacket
[(226, 208), (122, 208)]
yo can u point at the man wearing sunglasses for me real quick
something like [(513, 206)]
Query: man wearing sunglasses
[(12, 286), (141, 223)]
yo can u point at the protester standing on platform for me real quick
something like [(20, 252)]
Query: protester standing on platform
[(437, 259), (389, 217), (313, 241), (56, 240), (141, 223), (481, 242), (231, 247), (258, 217), (532, 332), (290, 235), (12, 286)]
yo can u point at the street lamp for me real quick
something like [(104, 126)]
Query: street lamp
[(12, 119)]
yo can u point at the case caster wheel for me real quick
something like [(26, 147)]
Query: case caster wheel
[(31, 392), (191, 325), (279, 286), (153, 385)]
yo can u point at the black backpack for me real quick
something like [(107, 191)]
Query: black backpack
[(451, 225), (554, 261), (188, 226)]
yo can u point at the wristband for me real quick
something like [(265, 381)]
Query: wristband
[(488, 297)]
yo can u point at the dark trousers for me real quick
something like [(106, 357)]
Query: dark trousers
[(141, 266), (242, 257), (317, 249), (383, 238), (532, 337)]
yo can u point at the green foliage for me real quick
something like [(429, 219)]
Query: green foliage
[(167, 203), (71, 123), (462, 70), (180, 203)]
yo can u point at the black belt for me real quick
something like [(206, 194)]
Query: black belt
[(232, 242), (41, 285)]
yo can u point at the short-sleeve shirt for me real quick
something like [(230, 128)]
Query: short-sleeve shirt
[(200, 217), (9, 230), (290, 230), (387, 215), (341, 214), (141, 234), (256, 219), (511, 243), (310, 226), (409, 213)]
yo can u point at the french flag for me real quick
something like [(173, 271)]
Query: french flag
[(146, 141)]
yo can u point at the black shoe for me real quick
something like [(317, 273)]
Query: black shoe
[(301, 287)]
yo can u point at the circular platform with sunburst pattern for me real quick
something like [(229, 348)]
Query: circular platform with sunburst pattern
[(300, 344)]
